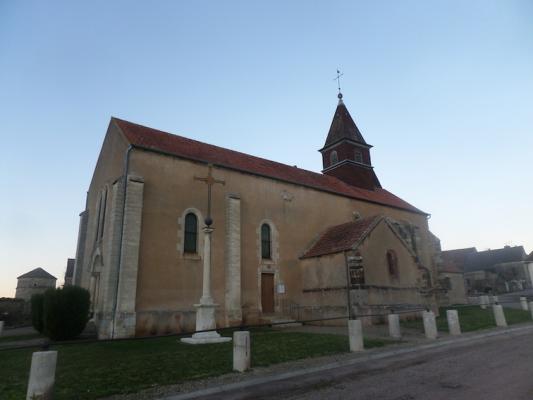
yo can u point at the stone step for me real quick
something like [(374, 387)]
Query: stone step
[(283, 322)]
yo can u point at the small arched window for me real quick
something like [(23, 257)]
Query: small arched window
[(333, 157), (102, 221), (191, 234), (358, 156), (392, 263), (266, 242)]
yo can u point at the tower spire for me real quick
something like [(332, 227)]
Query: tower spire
[(345, 154)]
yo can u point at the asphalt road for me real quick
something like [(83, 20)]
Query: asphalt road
[(490, 369)]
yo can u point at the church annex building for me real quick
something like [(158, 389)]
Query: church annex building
[(287, 242)]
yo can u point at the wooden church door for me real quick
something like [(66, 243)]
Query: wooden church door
[(267, 293)]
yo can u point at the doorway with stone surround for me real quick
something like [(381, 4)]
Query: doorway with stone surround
[(267, 293)]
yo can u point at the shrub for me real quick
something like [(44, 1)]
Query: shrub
[(37, 312), (66, 312)]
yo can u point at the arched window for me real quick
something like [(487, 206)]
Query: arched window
[(191, 234), (333, 158), (98, 217), (266, 242), (358, 156), (102, 221), (392, 263)]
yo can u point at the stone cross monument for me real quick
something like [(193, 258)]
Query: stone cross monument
[(205, 310)]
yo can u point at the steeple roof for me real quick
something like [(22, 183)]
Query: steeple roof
[(343, 127)]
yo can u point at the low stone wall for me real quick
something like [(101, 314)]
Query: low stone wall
[(165, 322), (15, 312)]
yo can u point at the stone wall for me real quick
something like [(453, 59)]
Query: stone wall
[(15, 312), (454, 290)]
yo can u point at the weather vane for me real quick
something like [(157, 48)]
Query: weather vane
[(338, 79)]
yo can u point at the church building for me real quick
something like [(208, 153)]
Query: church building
[(287, 243)]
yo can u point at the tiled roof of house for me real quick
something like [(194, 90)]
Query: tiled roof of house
[(456, 259), (470, 259), (155, 140), (342, 237), (37, 273), (450, 268), (488, 258), (343, 127)]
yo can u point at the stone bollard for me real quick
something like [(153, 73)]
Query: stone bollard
[(42, 375), (394, 326), (484, 301), (1, 328), (355, 334), (531, 308), (454, 327), (241, 351), (523, 303), (430, 325), (499, 316)]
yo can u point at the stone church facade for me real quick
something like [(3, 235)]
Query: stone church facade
[(140, 239)]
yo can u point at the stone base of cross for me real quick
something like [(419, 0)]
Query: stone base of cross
[(205, 320)]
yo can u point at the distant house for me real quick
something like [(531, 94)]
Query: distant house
[(452, 280), (451, 277), (69, 273), (33, 282), (496, 270), (458, 258)]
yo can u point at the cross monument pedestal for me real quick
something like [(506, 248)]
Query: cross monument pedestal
[(205, 310)]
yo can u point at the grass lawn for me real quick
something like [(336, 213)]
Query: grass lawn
[(90, 371), (16, 338), (473, 318)]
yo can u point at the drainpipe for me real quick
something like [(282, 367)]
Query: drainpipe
[(348, 299), (124, 191)]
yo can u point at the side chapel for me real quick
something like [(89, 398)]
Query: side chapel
[(287, 242)]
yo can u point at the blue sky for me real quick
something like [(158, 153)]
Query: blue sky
[(442, 89)]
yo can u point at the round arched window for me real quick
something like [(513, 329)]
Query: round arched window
[(333, 157), (358, 156), (392, 263), (191, 233), (266, 242)]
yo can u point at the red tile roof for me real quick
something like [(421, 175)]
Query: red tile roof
[(152, 139), (342, 237)]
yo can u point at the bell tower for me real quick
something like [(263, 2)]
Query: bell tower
[(345, 154)]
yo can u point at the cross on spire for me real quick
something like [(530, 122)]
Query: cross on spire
[(338, 79), (210, 181)]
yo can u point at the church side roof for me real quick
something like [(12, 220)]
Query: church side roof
[(159, 141), (343, 127), (342, 237), (37, 273)]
